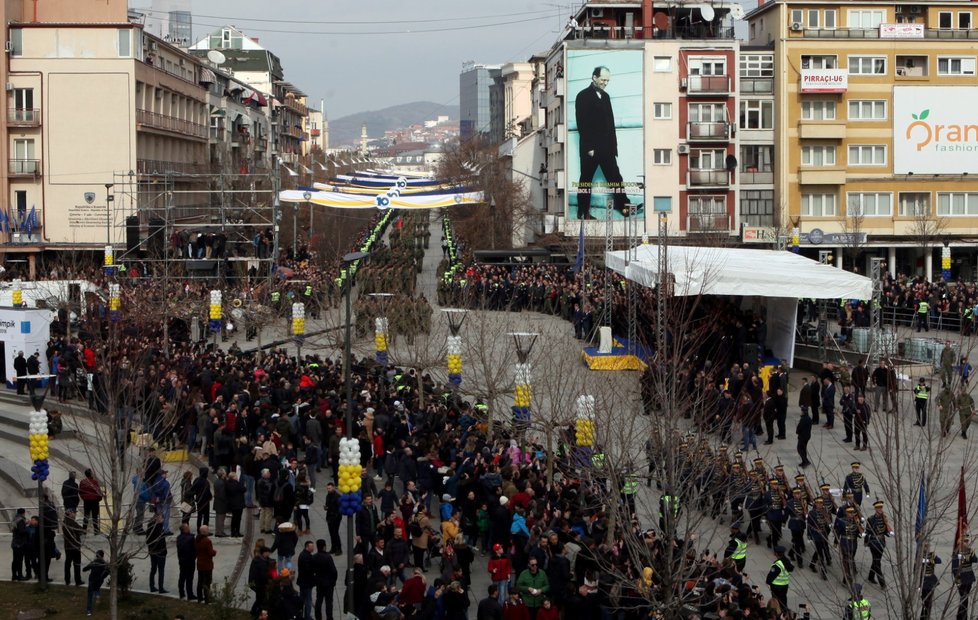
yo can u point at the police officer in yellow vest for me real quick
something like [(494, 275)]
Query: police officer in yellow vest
[(737, 547), (779, 577), (923, 316), (629, 487), (858, 607), (668, 512), (920, 395)]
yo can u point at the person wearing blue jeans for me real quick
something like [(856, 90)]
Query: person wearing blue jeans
[(97, 571)]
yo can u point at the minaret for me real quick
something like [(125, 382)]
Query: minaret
[(324, 139), (363, 138)]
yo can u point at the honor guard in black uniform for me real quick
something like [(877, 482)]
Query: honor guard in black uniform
[(776, 505), (877, 531), (737, 547), (797, 515), (756, 508), (739, 486), (849, 531), (759, 468), (928, 582), (856, 482), (825, 492), (721, 482), (806, 491), (963, 569), (819, 524), (782, 477)]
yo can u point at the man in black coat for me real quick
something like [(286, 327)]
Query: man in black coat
[(489, 607), (200, 490), (804, 432), (187, 559), (333, 518), (20, 370), (306, 579), (69, 493), (234, 491), (258, 579), (598, 142), (325, 571)]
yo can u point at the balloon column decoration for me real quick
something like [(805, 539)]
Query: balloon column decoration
[(215, 311), (299, 320), (796, 240), (38, 436), (454, 346), (18, 294), (584, 429), (524, 379), (109, 260), (946, 263), (115, 302), (380, 339), (350, 473)]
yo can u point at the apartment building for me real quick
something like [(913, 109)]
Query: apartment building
[(874, 129), (673, 77)]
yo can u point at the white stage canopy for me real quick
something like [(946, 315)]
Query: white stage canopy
[(739, 271)]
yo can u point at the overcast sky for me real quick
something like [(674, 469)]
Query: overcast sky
[(354, 71)]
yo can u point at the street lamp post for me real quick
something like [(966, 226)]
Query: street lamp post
[(348, 260), (109, 198), (38, 444)]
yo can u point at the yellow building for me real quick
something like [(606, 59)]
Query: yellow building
[(875, 134)]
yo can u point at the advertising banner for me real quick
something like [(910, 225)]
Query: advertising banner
[(824, 81), (935, 130), (901, 31), (605, 141)]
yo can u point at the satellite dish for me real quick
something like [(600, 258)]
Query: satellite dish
[(737, 11), (216, 57), (708, 13), (236, 314), (661, 21)]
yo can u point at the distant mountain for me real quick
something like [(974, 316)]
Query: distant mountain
[(346, 130)]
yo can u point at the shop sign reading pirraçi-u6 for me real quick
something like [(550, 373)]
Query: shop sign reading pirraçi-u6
[(935, 130)]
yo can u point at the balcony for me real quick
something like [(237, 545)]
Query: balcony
[(23, 117), (709, 223), (749, 86), (24, 168), (822, 176), (708, 178), (822, 131), (162, 122), (874, 33), (707, 85), (708, 132), (752, 176)]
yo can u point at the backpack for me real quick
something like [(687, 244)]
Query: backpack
[(279, 493), (415, 529)]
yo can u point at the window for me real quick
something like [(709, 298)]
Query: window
[(812, 19), (16, 42), (662, 110), (707, 113), (869, 204), (818, 205), (796, 16), (756, 65), (756, 158), (830, 19), (818, 110), (757, 207), (955, 65), (662, 203), (662, 64), (867, 110), (867, 155), (20, 199), (757, 114), (818, 155), (914, 203), (24, 163), (866, 19), (810, 61), (125, 43), (945, 19), (707, 205), (964, 20), (707, 159), (662, 157), (867, 65), (707, 66), (957, 203)]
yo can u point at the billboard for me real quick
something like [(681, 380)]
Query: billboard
[(605, 133), (935, 130), (824, 81)]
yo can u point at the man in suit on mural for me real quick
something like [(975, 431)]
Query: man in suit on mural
[(598, 144)]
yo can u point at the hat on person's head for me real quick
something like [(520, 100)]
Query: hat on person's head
[(447, 498), (497, 548), (503, 500), (264, 549), (370, 410), (877, 504), (287, 526), (779, 550), (856, 465)]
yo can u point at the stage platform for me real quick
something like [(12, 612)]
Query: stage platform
[(618, 359)]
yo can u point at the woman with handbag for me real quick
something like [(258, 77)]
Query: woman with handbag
[(186, 496)]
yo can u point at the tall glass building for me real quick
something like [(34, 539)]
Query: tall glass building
[(473, 87)]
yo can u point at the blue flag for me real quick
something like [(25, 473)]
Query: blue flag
[(921, 509), (579, 261), (4, 222), (31, 222)]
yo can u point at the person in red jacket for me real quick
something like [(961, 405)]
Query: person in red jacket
[(205, 563), (90, 493), (548, 611), (514, 609), (499, 571)]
